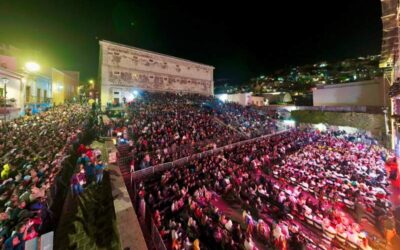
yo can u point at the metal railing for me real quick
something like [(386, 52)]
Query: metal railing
[(144, 173), (357, 109), (179, 152), (146, 220)]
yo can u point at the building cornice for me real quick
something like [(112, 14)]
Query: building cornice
[(10, 73), (155, 53)]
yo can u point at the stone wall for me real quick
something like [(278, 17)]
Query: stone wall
[(130, 233), (374, 123)]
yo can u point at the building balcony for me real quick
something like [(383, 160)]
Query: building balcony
[(8, 103)]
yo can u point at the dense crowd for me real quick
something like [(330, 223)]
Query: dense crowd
[(162, 127), (339, 170), (285, 185), (246, 119), (32, 149)]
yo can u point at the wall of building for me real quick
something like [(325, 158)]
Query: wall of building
[(43, 86), (64, 86), (14, 85), (241, 98), (258, 100), (8, 62), (366, 93), (278, 98), (374, 123), (124, 69)]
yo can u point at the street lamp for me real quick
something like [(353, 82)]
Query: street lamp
[(32, 67)]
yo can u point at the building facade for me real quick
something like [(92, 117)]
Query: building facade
[(390, 63), (37, 92), (11, 96), (22, 90), (124, 70), (365, 93), (65, 86), (244, 99)]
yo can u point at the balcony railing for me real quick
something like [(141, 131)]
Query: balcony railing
[(34, 100), (9, 103)]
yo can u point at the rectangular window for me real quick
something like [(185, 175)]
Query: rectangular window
[(39, 95), (1, 92), (28, 93)]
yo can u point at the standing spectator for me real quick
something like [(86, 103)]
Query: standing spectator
[(145, 163), (84, 159), (99, 172), (77, 182), (132, 170), (15, 242), (90, 171)]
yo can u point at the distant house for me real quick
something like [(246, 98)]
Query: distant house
[(278, 98)]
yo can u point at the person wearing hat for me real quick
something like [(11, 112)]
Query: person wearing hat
[(5, 172)]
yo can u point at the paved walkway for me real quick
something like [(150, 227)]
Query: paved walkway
[(88, 221)]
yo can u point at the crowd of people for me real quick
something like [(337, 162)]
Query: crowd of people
[(162, 127), (297, 189), (248, 120), (32, 150), (90, 169)]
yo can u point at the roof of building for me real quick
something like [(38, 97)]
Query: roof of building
[(148, 51), (349, 84)]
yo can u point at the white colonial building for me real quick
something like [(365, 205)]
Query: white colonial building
[(124, 70)]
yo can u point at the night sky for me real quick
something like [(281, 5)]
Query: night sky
[(240, 38)]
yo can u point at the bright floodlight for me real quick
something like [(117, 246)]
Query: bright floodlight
[(223, 97), (91, 81), (135, 93), (32, 66)]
